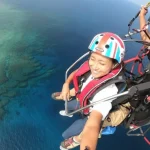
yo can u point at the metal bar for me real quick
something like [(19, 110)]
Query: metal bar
[(99, 101), (66, 75), (134, 134), (146, 130), (84, 55)]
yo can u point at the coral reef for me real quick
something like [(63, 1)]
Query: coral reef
[(20, 44)]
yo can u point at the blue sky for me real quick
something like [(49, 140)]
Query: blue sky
[(140, 2)]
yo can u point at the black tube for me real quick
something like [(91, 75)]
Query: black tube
[(130, 23)]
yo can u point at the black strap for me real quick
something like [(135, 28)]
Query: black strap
[(131, 92), (120, 100), (127, 124), (117, 80), (127, 71), (82, 79), (141, 106), (146, 34)]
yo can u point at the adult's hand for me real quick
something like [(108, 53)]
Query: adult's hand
[(143, 11)]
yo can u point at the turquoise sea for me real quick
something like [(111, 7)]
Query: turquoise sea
[(39, 40)]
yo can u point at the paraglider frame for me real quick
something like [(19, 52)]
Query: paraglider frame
[(144, 51)]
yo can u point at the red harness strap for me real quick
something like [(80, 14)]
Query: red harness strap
[(92, 86)]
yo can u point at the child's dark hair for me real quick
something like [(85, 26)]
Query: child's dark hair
[(114, 61)]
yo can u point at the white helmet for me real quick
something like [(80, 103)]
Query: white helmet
[(109, 45)]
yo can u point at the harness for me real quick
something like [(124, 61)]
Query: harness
[(94, 86), (140, 104)]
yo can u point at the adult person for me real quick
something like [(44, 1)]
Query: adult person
[(142, 20)]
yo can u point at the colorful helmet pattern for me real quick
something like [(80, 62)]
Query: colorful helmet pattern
[(109, 45)]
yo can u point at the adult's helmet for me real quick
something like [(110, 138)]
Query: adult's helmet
[(109, 45)]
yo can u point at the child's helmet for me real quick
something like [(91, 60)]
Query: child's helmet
[(109, 45)]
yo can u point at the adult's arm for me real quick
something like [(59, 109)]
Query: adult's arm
[(91, 131), (142, 23), (99, 112)]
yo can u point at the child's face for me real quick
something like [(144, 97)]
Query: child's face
[(100, 65)]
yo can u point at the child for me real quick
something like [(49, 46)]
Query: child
[(107, 51)]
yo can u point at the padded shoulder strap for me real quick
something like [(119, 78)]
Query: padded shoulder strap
[(119, 81)]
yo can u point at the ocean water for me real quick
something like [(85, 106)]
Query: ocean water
[(39, 40)]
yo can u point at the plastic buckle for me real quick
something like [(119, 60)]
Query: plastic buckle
[(136, 96)]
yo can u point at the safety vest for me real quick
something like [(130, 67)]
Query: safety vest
[(92, 86)]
